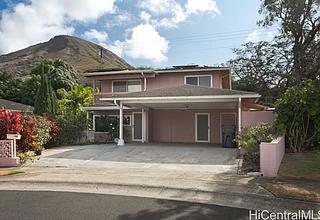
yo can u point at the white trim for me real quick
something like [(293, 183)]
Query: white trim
[(126, 80), (100, 108), (196, 128), (192, 70), (199, 75), (227, 113), (133, 125), (187, 98)]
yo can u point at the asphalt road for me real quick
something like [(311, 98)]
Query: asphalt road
[(64, 205)]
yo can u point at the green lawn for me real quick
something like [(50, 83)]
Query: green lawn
[(304, 165)]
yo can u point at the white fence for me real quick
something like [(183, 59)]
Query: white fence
[(8, 153)]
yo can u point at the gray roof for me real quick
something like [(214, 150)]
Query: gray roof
[(14, 106), (185, 90)]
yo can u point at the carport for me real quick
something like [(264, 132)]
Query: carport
[(184, 114)]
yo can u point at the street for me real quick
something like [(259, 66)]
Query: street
[(64, 205)]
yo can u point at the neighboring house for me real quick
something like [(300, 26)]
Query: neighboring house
[(14, 106), (187, 104)]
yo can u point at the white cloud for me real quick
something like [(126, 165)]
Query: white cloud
[(143, 43), (201, 6), (157, 6), (94, 35), (169, 13), (256, 36), (37, 21), (145, 16)]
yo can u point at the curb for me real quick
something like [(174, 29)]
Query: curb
[(224, 198)]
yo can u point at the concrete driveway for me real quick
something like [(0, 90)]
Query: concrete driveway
[(140, 155)]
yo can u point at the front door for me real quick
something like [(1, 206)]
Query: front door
[(137, 126), (202, 125)]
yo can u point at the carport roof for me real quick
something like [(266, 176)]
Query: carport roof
[(183, 91)]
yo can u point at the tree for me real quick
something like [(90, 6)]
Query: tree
[(299, 22), (261, 67), (298, 113), (70, 112), (60, 73), (45, 102)]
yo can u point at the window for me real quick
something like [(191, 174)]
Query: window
[(198, 80), (126, 86), (104, 123)]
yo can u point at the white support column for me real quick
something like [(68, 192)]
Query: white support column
[(143, 125), (94, 86), (121, 141), (239, 115), (93, 122)]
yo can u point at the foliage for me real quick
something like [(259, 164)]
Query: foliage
[(60, 74), (250, 139), (20, 90), (24, 90), (45, 102), (37, 132), (108, 124), (70, 112), (10, 123), (25, 156), (292, 57), (259, 67), (299, 23), (298, 113)]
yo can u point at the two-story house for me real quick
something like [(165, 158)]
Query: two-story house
[(186, 104)]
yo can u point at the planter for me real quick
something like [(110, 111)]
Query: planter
[(13, 136)]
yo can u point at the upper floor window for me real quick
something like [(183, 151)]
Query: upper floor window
[(199, 80), (126, 86)]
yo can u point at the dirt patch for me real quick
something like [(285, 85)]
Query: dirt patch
[(294, 191)]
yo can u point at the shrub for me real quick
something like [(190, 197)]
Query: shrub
[(37, 132), (25, 156), (298, 113), (10, 123), (250, 139)]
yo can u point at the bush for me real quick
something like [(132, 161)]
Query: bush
[(10, 123), (37, 132), (250, 139), (298, 113), (25, 156)]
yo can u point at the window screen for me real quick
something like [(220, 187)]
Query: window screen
[(205, 81), (192, 80), (120, 86), (134, 86)]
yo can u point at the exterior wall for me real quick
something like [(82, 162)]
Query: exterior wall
[(252, 118), (271, 155), (220, 79), (170, 125)]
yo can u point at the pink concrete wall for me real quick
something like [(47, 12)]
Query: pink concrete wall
[(169, 125), (271, 155), (252, 118)]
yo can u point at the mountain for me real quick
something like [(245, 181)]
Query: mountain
[(82, 54)]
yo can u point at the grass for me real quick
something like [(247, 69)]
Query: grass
[(305, 165), (9, 171), (298, 177)]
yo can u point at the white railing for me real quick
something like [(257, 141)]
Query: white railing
[(7, 149)]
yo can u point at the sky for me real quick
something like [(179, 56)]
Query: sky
[(156, 33)]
